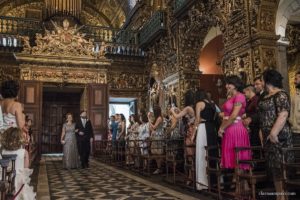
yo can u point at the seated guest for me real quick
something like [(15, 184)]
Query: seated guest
[(11, 142), (250, 119), (274, 109)]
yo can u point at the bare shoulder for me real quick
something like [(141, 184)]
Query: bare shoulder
[(17, 106), (200, 104)]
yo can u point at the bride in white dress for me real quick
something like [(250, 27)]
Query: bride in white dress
[(11, 142)]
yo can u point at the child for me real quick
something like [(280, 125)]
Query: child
[(11, 143)]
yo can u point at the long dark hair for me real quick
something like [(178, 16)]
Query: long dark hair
[(10, 89), (123, 118), (157, 112), (189, 98)]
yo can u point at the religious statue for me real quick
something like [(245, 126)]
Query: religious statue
[(26, 44)]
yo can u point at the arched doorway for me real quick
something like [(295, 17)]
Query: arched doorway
[(210, 57)]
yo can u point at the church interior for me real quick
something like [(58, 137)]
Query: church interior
[(131, 58)]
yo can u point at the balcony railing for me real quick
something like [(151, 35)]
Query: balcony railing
[(29, 27), (119, 49), (152, 28), (117, 42), (106, 34), (19, 26)]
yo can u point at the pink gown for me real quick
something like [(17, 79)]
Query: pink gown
[(235, 135)]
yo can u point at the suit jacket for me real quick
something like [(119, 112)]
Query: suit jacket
[(87, 130)]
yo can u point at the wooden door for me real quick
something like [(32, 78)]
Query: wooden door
[(55, 107), (31, 96), (98, 109)]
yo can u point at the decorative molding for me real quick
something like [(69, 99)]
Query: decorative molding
[(63, 74)]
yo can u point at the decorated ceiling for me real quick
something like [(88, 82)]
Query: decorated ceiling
[(111, 13)]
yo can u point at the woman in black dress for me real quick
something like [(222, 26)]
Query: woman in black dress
[(274, 110), (206, 136)]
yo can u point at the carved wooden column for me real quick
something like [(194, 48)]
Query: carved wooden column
[(250, 40)]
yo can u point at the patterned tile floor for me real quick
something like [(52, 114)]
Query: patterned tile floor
[(101, 182)]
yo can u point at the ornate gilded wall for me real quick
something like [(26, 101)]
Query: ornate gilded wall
[(248, 29)]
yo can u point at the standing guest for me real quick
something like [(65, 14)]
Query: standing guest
[(233, 132), (85, 135), (132, 135), (206, 136), (157, 136), (131, 122), (27, 131), (12, 110), (274, 110), (121, 136), (188, 118), (121, 128), (259, 87), (250, 119), (113, 128), (295, 110), (144, 134), (68, 139), (28, 125)]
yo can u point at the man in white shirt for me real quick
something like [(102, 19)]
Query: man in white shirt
[(295, 110)]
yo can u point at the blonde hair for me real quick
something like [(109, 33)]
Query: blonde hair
[(12, 139)]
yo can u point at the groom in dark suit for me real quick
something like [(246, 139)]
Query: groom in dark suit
[(84, 135)]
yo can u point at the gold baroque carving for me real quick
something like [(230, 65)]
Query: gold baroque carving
[(63, 75), (267, 20), (269, 58), (9, 72), (64, 41), (126, 80)]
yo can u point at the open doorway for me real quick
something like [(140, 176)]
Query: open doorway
[(125, 106), (57, 102)]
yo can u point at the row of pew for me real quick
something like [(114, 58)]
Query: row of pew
[(180, 168)]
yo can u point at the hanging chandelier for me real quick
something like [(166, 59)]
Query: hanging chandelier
[(63, 7)]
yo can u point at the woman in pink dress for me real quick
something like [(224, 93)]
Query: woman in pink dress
[(233, 132)]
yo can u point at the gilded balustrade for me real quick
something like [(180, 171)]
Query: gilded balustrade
[(152, 28), (19, 26)]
